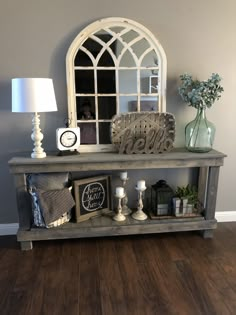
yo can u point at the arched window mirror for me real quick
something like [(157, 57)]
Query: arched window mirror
[(114, 65)]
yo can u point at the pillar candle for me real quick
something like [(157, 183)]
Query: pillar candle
[(120, 192), (141, 184), (123, 175)]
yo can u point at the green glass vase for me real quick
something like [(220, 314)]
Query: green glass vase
[(199, 133)]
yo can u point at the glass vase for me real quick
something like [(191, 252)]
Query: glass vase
[(199, 133)]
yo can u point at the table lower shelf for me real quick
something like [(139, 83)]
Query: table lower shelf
[(105, 226)]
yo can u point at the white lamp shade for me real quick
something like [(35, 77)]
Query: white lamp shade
[(33, 95)]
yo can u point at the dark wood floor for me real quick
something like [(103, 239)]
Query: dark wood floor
[(178, 273)]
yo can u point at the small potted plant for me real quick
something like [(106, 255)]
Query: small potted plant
[(200, 133), (188, 196)]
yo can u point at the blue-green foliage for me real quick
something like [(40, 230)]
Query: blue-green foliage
[(200, 94)]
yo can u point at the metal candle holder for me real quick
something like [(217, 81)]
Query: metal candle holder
[(119, 216), (139, 214), (125, 209)]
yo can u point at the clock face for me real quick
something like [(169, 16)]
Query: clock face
[(68, 139)]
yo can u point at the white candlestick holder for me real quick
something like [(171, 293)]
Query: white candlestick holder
[(119, 216), (139, 214), (125, 209)]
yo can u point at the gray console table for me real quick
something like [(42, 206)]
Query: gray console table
[(208, 164)]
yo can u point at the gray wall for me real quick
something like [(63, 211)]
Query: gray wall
[(198, 37)]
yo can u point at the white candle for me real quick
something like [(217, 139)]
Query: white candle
[(120, 192), (123, 175), (141, 184)]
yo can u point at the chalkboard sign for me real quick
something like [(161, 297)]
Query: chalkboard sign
[(92, 197)]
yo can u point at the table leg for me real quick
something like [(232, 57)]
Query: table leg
[(23, 202), (210, 195), (212, 187), (207, 233), (26, 245), (202, 185)]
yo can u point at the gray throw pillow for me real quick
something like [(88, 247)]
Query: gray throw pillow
[(48, 181), (45, 182), (54, 203)]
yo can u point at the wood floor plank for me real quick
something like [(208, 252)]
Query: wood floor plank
[(89, 292), (9, 252), (24, 290), (172, 245), (57, 281), (154, 286), (132, 280), (191, 283), (212, 280), (155, 293), (113, 299), (167, 272)]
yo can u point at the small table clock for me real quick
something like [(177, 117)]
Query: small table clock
[(68, 140)]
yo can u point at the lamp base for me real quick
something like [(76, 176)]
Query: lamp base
[(37, 137), (35, 155)]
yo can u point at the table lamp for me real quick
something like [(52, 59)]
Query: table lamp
[(34, 95)]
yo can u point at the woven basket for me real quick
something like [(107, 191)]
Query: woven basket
[(143, 132)]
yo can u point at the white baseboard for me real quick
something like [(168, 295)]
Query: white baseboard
[(221, 216), (226, 216), (9, 229)]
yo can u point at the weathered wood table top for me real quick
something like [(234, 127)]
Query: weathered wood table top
[(178, 158)]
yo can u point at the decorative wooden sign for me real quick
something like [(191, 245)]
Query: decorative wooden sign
[(143, 132), (92, 197)]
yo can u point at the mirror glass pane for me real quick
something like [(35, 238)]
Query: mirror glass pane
[(103, 35), (149, 103), (106, 60), (144, 81), (150, 60), (119, 48), (84, 81), (104, 133), (127, 60), (93, 46), (129, 36), (146, 104), (106, 81), (148, 82), (140, 47), (116, 29), (85, 108), (106, 107), (87, 133), (126, 103), (82, 59), (127, 81), (153, 84)]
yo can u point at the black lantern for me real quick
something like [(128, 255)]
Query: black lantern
[(161, 198)]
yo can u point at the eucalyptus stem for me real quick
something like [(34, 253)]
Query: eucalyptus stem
[(208, 131), (197, 122)]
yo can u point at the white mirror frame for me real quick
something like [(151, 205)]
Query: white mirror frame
[(92, 28)]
